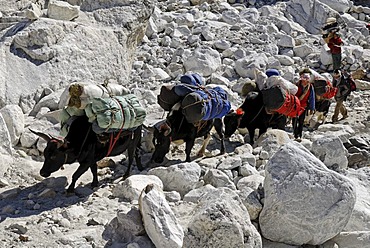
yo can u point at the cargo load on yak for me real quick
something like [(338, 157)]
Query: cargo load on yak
[(323, 87), (80, 94), (278, 93), (192, 79), (205, 104), (66, 117), (279, 100), (197, 102), (248, 86), (169, 95), (271, 79), (200, 103), (112, 114), (291, 106)]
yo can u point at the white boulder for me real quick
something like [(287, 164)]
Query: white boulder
[(305, 203)]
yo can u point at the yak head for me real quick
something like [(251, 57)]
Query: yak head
[(55, 154), (161, 141), (232, 121)]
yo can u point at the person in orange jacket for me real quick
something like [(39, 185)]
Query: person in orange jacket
[(306, 95), (335, 44)]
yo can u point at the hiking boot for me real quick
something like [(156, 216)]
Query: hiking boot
[(298, 139), (344, 117), (334, 120)]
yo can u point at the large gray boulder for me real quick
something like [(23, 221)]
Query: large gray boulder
[(310, 14), (272, 140), (100, 44), (60, 10), (338, 5), (245, 67), (160, 223), (330, 150), (204, 60), (5, 139), (14, 119), (180, 177), (352, 239), (305, 203), (221, 220), (360, 218)]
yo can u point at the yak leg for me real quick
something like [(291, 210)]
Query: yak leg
[(94, 171), (323, 118), (262, 131), (281, 122), (218, 124), (251, 132), (131, 151), (80, 170), (137, 155), (204, 146), (189, 145), (138, 160)]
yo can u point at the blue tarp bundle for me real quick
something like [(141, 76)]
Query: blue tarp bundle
[(218, 106), (197, 102), (205, 104), (192, 79)]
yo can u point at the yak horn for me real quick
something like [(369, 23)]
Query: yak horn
[(167, 132), (165, 128), (42, 135)]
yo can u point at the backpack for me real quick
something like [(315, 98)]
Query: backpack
[(351, 83)]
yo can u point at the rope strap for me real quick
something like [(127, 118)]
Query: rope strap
[(194, 103), (112, 142)]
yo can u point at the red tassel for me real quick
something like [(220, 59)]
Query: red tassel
[(239, 111)]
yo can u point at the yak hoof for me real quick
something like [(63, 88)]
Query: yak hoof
[(94, 184), (126, 175)]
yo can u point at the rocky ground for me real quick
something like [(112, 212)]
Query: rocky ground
[(278, 193)]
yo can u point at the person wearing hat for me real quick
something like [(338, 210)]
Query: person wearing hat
[(343, 92), (306, 95)]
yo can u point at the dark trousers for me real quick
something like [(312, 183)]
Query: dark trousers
[(298, 125), (337, 61)]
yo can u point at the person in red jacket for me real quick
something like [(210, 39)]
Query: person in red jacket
[(335, 44), (306, 95)]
